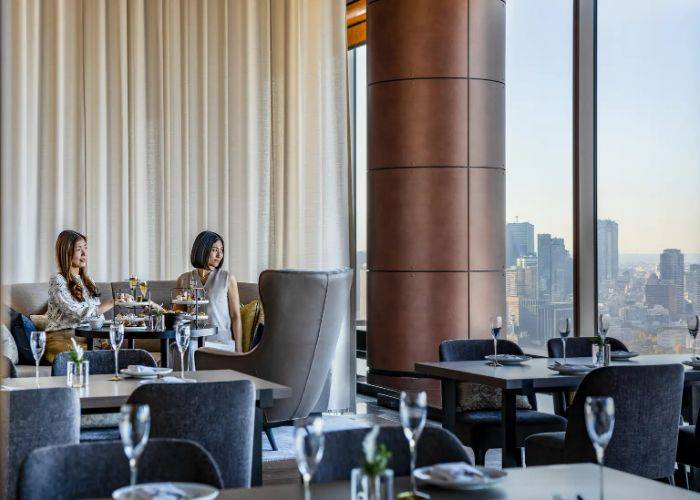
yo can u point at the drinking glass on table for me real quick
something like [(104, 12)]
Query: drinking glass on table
[(133, 281), (37, 342), (116, 337), (600, 422), (413, 411), (182, 340), (564, 328), (134, 427), (693, 323), (603, 324), (496, 324), (308, 447), (143, 288)]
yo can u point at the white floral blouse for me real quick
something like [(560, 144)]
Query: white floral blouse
[(65, 311)]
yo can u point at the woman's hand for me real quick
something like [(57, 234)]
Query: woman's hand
[(155, 306), (105, 306)]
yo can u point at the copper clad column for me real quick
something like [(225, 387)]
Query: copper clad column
[(436, 131)]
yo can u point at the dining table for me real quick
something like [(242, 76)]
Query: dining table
[(525, 378), (562, 482), (103, 393)]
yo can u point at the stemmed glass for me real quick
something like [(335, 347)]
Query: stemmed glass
[(604, 324), (412, 412), (600, 422), (182, 340), (693, 323), (116, 337), (564, 331), (143, 288), (496, 324), (133, 281), (134, 426), (308, 446), (38, 345)]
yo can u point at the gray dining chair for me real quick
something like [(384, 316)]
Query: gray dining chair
[(688, 453), (217, 415), (7, 368), (102, 361), (481, 429), (34, 418), (95, 470), (304, 314), (343, 451), (647, 408)]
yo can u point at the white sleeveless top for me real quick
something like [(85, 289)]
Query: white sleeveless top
[(217, 309)]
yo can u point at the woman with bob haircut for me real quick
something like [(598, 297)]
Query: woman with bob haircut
[(207, 257)]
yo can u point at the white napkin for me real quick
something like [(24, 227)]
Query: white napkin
[(142, 370), (454, 471), (162, 491)]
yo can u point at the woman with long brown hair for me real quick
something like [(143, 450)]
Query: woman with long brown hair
[(73, 296)]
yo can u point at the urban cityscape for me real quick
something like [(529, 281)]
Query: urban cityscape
[(648, 299)]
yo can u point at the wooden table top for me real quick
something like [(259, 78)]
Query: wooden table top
[(534, 373), (105, 393), (531, 483)]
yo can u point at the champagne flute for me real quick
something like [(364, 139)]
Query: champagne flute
[(308, 446), (133, 281), (693, 323), (134, 427), (564, 331), (413, 411), (143, 288), (37, 342), (496, 324), (116, 337), (604, 324), (182, 340), (600, 422)]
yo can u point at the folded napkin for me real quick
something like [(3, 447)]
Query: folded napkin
[(142, 370), (161, 491), (454, 471)]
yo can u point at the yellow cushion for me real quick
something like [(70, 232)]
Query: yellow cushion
[(251, 316), (41, 321)]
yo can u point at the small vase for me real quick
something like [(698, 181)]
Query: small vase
[(78, 374), (598, 355), (376, 487)]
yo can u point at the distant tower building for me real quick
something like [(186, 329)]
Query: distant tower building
[(608, 257), (672, 269), (660, 293), (554, 268), (693, 285), (520, 240), (544, 266)]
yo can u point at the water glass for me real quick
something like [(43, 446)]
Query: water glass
[(496, 324), (564, 328), (78, 374), (37, 342), (116, 337), (134, 427), (603, 324), (308, 446), (693, 323), (182, 340), (600, 422), (413, 411), (366, 487)]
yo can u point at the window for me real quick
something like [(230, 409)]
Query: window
[(539, 201), (649, 170)]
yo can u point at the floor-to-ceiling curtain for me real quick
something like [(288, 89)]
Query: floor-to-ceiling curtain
[(143, 122)]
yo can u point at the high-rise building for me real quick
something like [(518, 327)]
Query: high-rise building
[(660, 293), (520, 240), (608, 256), (672, 270), (693, 286), (554, 268)]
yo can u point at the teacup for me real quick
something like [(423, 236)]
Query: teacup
[(96, 323)]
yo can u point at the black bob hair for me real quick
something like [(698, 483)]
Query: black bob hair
[(201, 248)]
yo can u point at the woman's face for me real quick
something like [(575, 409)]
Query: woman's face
[(216, 255), (79, 254)]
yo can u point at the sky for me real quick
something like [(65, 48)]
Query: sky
[(648, 119)]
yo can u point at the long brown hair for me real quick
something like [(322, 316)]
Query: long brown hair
[(65, 247)]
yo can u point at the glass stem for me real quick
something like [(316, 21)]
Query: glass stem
[(563, 341), (693, 349), (602, 490), (116, 362), (412, 446), (182, 364), (495, 353), (306, 478), (36, 373), (132, 469)]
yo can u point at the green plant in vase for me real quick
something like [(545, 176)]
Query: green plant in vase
[(77, 354), (377, 479), (77, 375)]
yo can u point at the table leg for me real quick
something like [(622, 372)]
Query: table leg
[(200, 341), (256, 475), (90, 343), (449, 405), (131, 343), (509, 451), (164, 353)]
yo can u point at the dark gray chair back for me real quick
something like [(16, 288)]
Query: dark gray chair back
[(304, 313), (217, 415), (579, 347), (102, 361), (647, 409), (34, 418), (343, 451), (7, 368), (95, 470)]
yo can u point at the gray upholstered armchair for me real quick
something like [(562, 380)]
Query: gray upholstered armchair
[(304, 313)]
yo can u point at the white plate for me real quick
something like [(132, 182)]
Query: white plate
[(623, 355), (131, 303), (148, 490), (491, 478), (509, 359), (189, 302), (571, 369), (694, 364), (159, 372), (141, 328)]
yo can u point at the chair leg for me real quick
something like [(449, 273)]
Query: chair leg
[(271, 438), (681, 476), (479, 456)]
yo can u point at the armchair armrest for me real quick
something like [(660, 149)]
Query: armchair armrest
[(207, 358)]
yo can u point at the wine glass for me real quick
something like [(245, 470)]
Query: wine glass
[(143, 288), (182, 340), (116, 337), (600, 422), (308, 446), (564, 328), (37, 343), (413, 411), (496, 324), (693, 322), (133, 281), (134, 427), (604, 324)]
